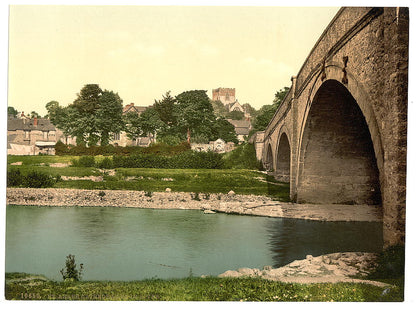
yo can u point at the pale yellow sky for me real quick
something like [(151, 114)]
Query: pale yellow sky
[(143, 51)]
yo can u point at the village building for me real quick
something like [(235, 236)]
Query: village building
[(26, 136), (219, 146), (242, 128), (121, 139), (227, 97)]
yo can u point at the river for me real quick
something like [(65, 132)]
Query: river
[(135, 244)]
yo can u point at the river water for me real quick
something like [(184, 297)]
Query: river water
[(134, 244)]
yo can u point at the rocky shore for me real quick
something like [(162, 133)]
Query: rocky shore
[(209, 203), (333, 268)]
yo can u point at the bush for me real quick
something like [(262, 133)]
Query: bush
[(84, 161), (61, 149), (35, 179), (70, 272), (244, 156), (390, 263), (188, 159), (14, 178), (106, 163)]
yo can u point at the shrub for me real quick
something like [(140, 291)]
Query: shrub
[(35, 179), (390, 263), (244, 156), (61, 149), (70, 272), (84, 161), (106, 163), (14, 178)]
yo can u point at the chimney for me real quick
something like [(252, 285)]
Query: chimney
[(35, 121)]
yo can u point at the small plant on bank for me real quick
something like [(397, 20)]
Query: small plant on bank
[(70, 272), (101, 194), (148, 194), (195, 196)]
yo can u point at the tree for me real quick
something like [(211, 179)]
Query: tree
[(219, 108), (194, 113), (12, 111), (91, 117), (109, 115), (150, 123), (235, 115), (225, 130), (279, 96), (166, 109), (34, 114), (250, 110), (266, 112)]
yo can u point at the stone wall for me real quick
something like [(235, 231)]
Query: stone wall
[(346, 116)]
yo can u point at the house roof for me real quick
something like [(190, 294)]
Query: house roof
[(43, 124), (130, 108)]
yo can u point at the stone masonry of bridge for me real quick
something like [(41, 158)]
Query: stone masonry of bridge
[(340, 134)]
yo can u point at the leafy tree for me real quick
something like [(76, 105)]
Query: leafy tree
[(12, 111), (219, 109), (225, 130), (266, 112), (250, 109), (166, 109), (34, 114), (149, 122), (91, 118), (132, 125), (108, 117), (194, 113), (235, 115), (279, 96)]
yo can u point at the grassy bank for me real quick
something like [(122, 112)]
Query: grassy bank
[(240, 181), (29, 287)]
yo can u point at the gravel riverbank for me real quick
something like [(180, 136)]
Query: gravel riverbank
[(209, 203)]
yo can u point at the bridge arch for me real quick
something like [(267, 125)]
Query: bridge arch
[(269, 158), (337, 162), (283, 156)]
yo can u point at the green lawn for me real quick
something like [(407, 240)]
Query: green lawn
[(196, 289), (155, 180)]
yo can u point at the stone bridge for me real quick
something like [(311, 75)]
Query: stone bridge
[(339, 136)]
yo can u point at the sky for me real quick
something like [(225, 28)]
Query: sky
[(141, 52)]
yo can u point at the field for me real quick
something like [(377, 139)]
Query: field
[(240, 181), (29, 287)]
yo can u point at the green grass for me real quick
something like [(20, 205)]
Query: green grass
[(195, 289), (241, 181)]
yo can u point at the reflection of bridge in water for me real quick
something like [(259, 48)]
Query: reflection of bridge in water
[(339, 136)]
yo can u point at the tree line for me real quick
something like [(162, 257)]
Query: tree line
[(96, 114)]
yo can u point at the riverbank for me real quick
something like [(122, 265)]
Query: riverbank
[(210, 203)]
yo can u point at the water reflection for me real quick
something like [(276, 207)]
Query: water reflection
[(133, 244), (292, 239)]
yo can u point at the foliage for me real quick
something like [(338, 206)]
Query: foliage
[(194, 113), (171, 140), (106, 163), (235, 115), (32, 179), (61, 148), (91, 117), (243, 156), (266, 112), (14, 178), (12, 111), (187, 159), (70, 272), (219, 109), (165, 109), (197, 289), (224, 130), (84, 161), (390, 263)]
